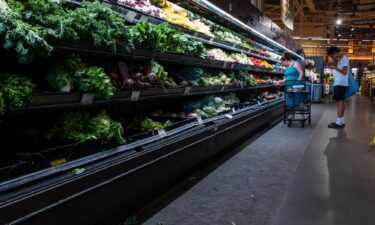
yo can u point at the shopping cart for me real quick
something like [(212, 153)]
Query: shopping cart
[(297, 106)]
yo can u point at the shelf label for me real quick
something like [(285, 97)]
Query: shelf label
[(259, 103), (225, 64), (187, 90), (233, 110), (232, 66), (211, 41), (143, 18), (135, 96), (229, 116), (87, 98), (131, 15), (222, 88), (162, 133), (199, 119)]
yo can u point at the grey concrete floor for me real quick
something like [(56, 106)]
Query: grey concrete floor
[(290, 176)]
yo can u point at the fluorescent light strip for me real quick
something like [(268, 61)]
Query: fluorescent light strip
[(209, 5)]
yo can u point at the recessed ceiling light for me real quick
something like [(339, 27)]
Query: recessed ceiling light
[(338, 21)]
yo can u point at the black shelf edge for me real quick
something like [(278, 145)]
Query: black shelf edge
[(38, 175), (56, 101), (143, 55)]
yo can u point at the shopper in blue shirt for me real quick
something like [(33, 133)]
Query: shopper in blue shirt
[(294, 72), (341, 70)]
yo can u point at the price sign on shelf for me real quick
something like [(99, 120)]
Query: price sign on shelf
[(222, 88), (259, 103), (199, 119), (229, 116), (143, 18), (162, 133), (225, 65), (211, 41), (233, 110), (87, 98), (135, 96), (232, 66), (187, 90), (131, 15)]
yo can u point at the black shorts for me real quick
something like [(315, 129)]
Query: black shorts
[(339, 92)]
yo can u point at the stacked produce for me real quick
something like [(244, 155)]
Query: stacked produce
[(242, 78), (260, 63), (83, 126), (241, 58), (218, 54), (144, 6), (178, 16), (215, 77), (140, 76), (26, 25), (207, 107), (148, 124), (15, 92), (162, 38), (72, 74)]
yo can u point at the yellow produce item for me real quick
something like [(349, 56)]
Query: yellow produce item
[(373, 143)]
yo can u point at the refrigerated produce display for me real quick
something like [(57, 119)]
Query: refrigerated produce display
[(107, 101)]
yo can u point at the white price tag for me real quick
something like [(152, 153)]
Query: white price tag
[(87, 98), (162, 133), (199, 119), (211, 41), (233, 110), (187, 90), (131, 15), (143, 18), (222, 88), (259, 103), (229, 116), (135, 96)]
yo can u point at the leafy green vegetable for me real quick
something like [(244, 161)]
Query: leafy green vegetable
[(150, 125), (93, 79), (59, 78), (162, 38), (192, 75), (81, 126), (72, 72), (26, 40), (101, 25), (158, 70), (17, 91)]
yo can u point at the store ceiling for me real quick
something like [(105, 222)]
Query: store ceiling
[(319, 23)]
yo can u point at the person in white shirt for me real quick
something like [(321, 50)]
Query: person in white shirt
[(341, 69)]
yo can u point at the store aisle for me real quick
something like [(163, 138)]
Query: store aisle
[(290, 176), (335, 182)]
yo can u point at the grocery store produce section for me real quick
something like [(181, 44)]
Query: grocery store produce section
[(95, 95)]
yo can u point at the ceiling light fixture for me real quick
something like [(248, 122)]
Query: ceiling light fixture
[(338, 21), (352, 29), (339, 35)]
